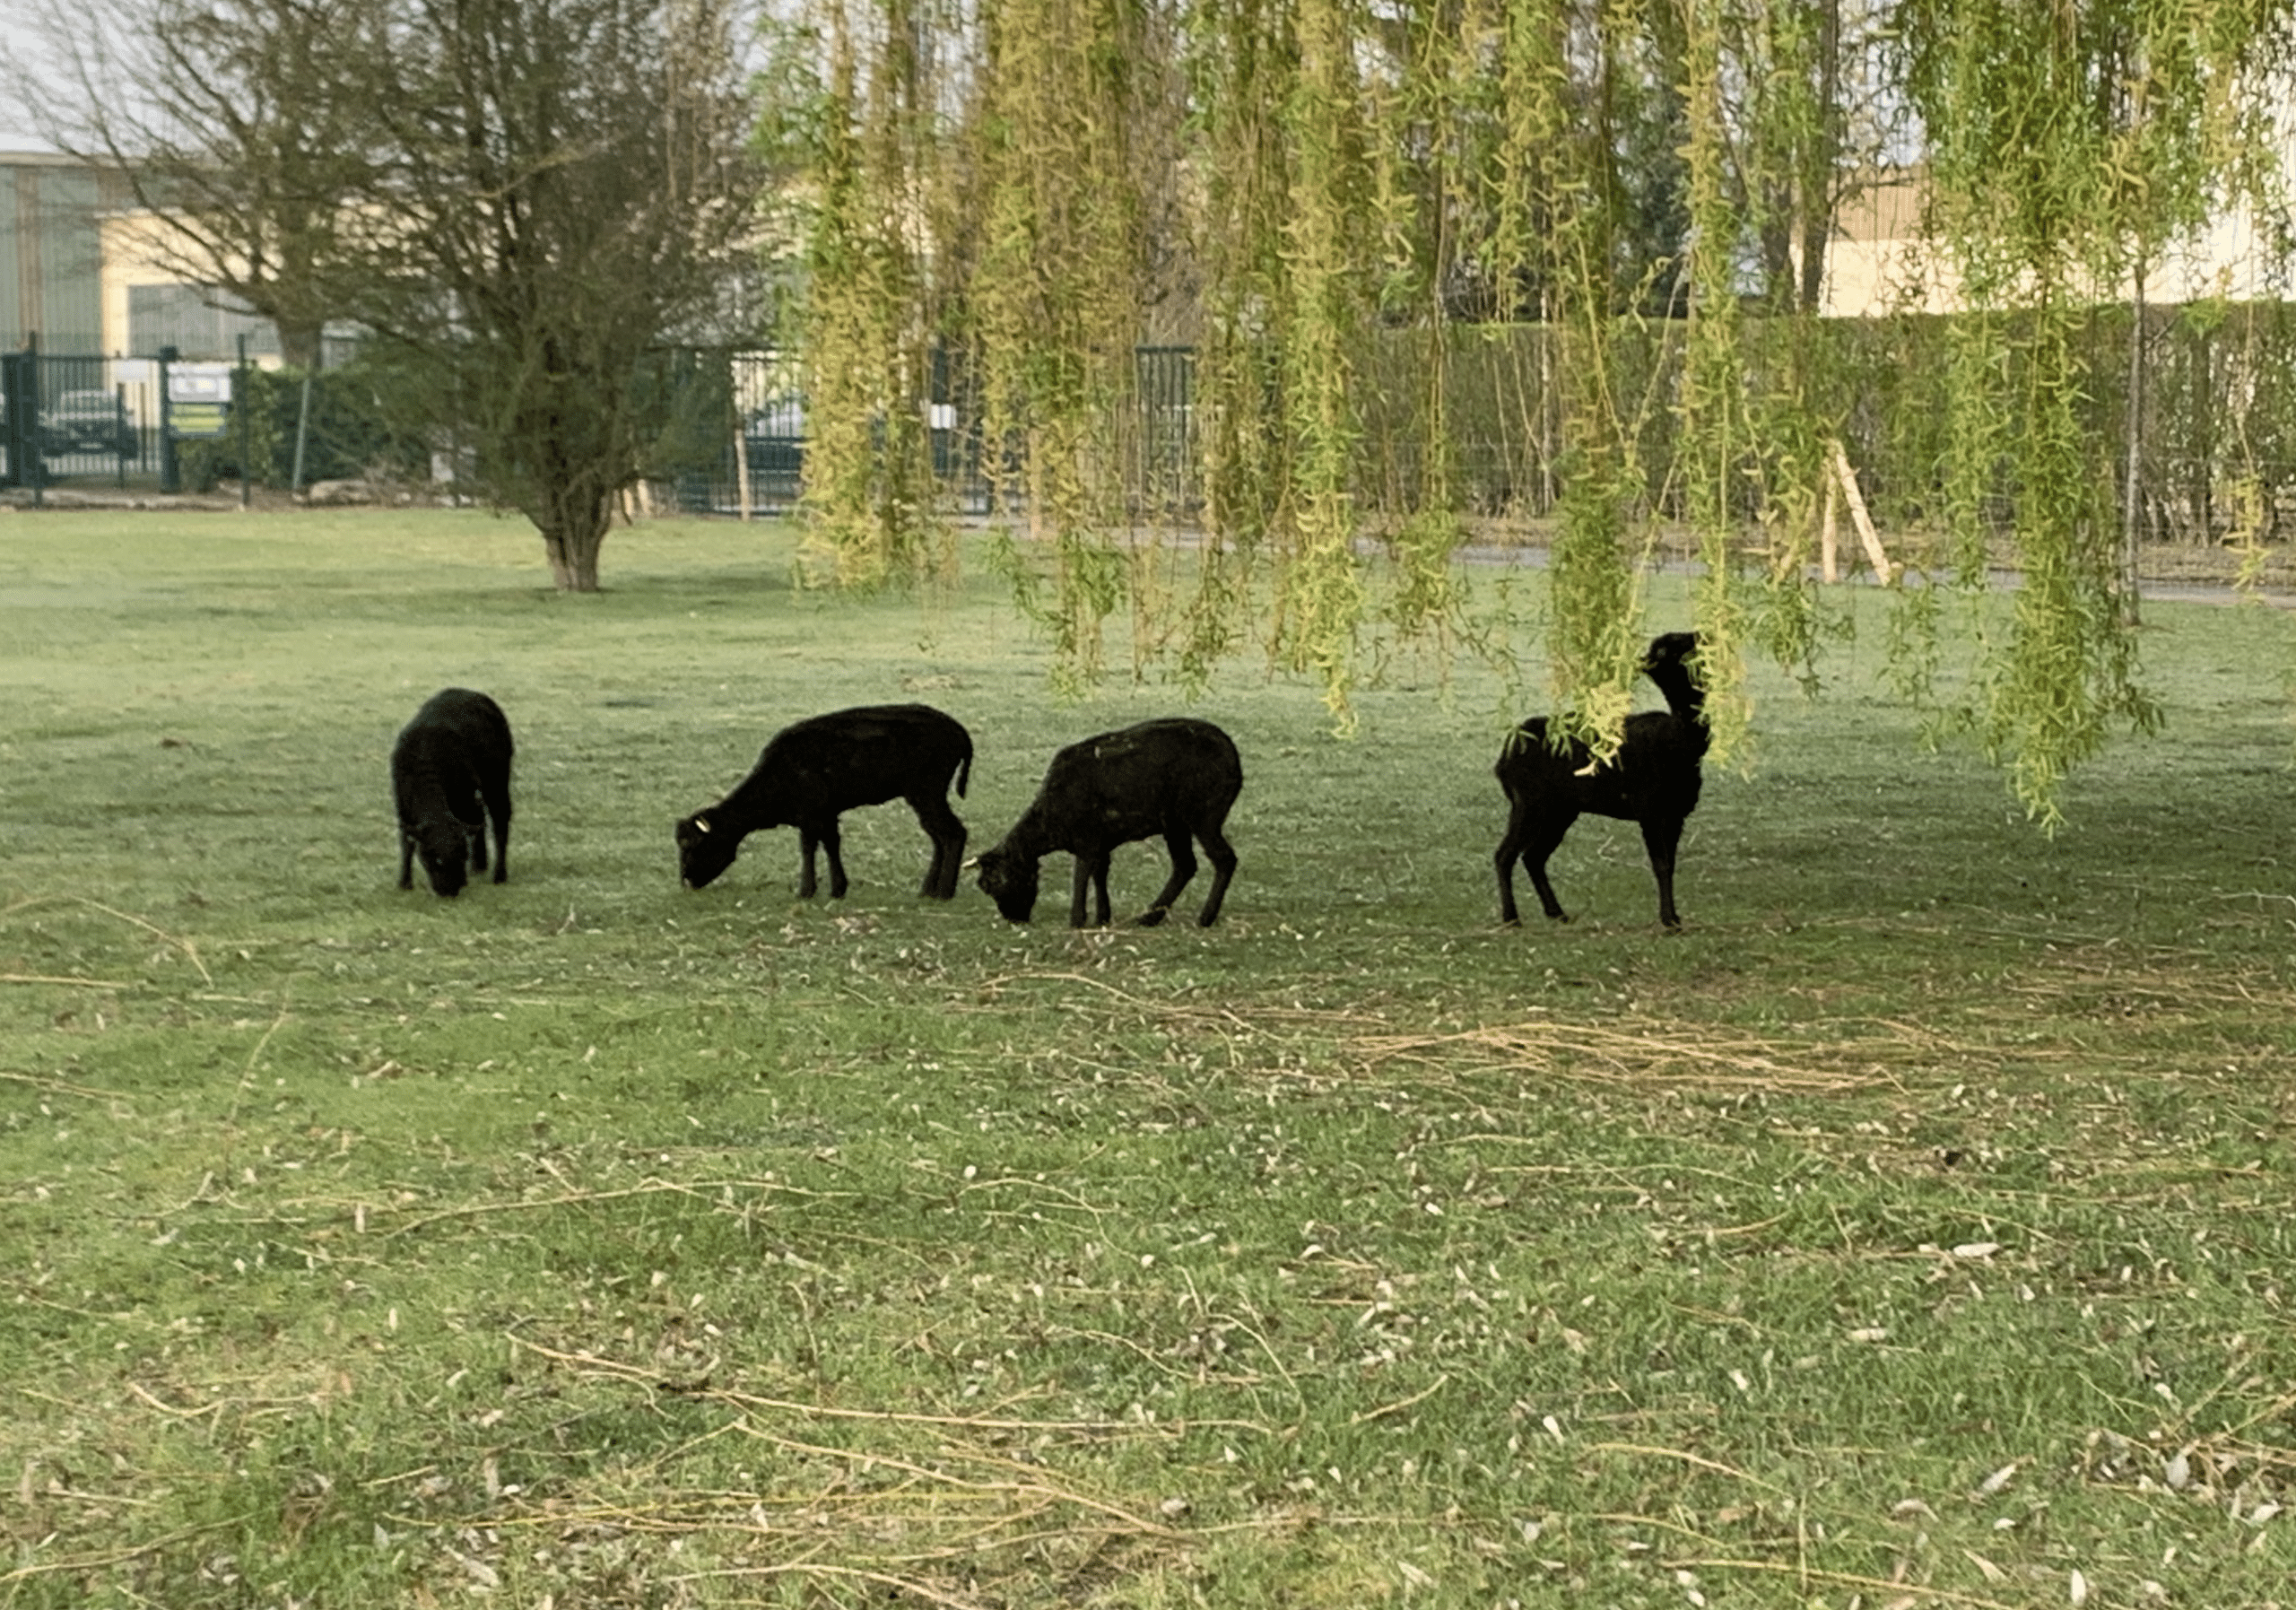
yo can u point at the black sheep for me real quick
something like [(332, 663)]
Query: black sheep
[(450, 771), (1175, 777), (1654, 780), (815, 769)]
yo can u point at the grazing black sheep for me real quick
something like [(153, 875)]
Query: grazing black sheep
[(816, 768), (1174, 776), (450, 771), (1654, 780)]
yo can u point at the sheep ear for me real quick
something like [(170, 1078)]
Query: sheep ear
[(701, 825)]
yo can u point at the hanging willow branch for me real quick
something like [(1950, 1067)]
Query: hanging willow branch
[(872, 515), (1054, 300), (1019, 189), (1320, 594), (1712, 409), (2068, 143), (1554, 229)]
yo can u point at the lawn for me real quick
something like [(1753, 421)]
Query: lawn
[(1913, 1229)]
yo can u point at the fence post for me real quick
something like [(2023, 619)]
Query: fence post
[(302, 435), (171, 473), (35, 460), (239, 407)]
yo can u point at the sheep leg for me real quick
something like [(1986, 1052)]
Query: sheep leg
[(1080, 886), (808, 842), (1223, 867), (497, 793), (1183, 869), (1511, 850), (948, 835), (1660, 835), (1100, 888), (1543, 840), (470, 815), (405, 859), (832, 841)]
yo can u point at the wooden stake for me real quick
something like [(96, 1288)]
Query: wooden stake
[(1829, 545), (741, 468), (1858, 517)]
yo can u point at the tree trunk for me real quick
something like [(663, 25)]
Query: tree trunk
[(573, 530), (1818, 168), (2131, 496), (301, 345)]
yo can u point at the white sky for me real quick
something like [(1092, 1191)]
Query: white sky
[(22, 49)]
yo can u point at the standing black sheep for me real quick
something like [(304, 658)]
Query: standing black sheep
[(450, 771), (1175, 777), (816, 768), (1654, 779)]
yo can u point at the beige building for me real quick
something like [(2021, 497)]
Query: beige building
[(1879, 264), (147, 304), (50, 253)]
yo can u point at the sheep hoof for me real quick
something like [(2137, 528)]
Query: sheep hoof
[(1150, 918)]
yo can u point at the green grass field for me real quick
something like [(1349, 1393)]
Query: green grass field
[(1912, 1230)]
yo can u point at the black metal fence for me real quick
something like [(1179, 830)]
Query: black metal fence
[(2218, 424), (74, 418)]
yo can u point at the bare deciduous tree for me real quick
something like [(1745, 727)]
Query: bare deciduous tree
[(564, 185), (517, 200), (229, 128)]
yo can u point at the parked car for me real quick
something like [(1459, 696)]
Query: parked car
[(776, 446), (87, 421)]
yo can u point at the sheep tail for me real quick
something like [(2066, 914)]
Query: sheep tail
[(964, 771)]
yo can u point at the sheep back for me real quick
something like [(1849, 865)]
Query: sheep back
[(813, 770), (449, 768), (1134, 783)]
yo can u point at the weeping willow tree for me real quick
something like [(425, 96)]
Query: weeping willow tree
[(1428, 128), (1054, 293), (1556, 219), (2067, 143), (1713, 408), (1651, 190), (1240, 61), (871, 508), (1319, 594)]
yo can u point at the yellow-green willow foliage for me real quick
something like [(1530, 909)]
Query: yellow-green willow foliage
[(1307, 191), (1055, 296), (1786, 59), (1239, 60), (872, 515), (1712, 405), (2067, 142), (1554, 217), (1319, 591), (1428, 120)]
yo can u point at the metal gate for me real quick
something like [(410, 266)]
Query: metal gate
[(75, 417), (19, 419)]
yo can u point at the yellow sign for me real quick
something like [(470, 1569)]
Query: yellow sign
[(192, 421)]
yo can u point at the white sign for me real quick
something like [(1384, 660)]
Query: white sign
[(199, 383)]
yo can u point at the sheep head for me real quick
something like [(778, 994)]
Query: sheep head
[(443, 847), (705, 849), (1010, 881), (1669, 649)]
